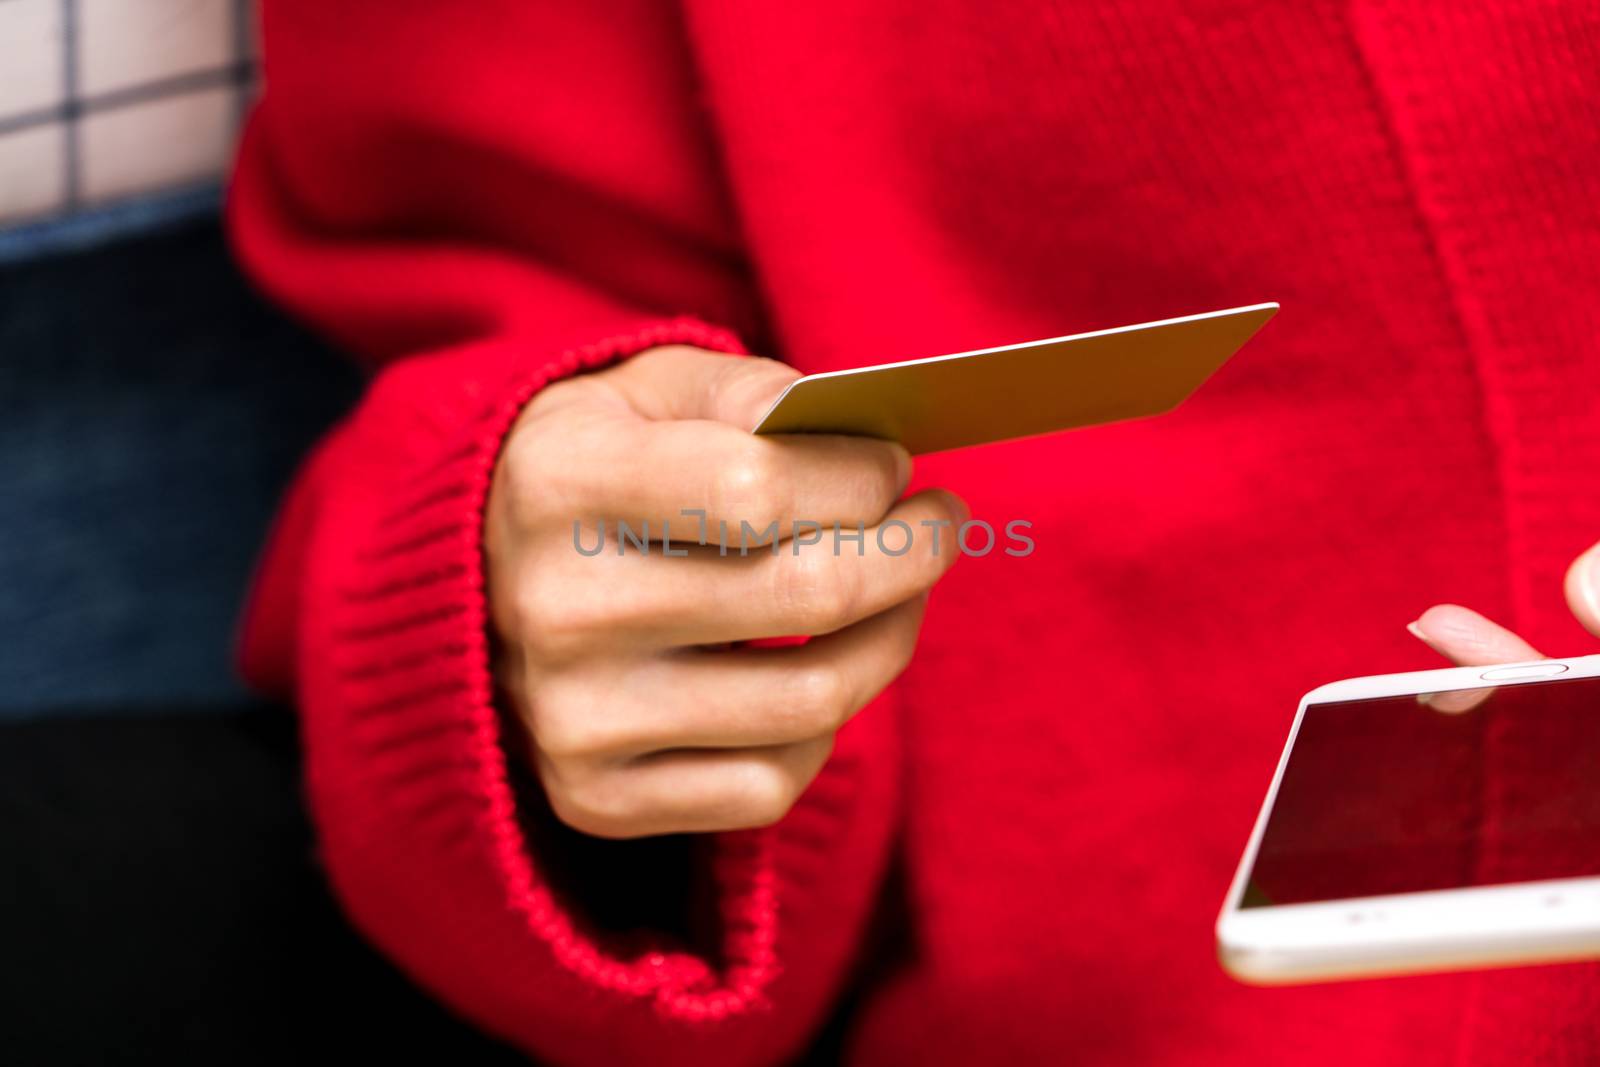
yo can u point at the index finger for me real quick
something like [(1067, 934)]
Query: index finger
[(701, 478)]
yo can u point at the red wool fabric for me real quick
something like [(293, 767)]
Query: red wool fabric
[(1018, 851)]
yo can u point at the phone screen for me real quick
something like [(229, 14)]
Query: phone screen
[(1408, 794)]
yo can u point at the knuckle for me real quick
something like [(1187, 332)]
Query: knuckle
[(536, 613), (650, 358), (526, 475), (558, 394), (544, 467), (595, 805), (565, 733), (509, 493), (550, 624), (759, 794), (820, 698), (813, 593), (750, 484)]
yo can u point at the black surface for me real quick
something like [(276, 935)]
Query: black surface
[(159, 903)]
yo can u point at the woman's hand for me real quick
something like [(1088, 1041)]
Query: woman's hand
[(641, 713), (1470, 640)]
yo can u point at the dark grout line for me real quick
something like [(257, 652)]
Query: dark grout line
[(243, 11), (72, 162), (236, 75)]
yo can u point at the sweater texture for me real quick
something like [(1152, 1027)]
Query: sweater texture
[(1017, 853)]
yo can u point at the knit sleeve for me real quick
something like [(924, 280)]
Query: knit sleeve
[(388, 193)]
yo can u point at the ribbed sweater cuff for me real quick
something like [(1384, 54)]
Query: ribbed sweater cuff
[(406, 763)]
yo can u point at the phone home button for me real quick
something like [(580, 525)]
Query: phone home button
[(1531, 670)]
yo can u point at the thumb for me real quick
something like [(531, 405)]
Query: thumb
[(1583, 589), (682, 382)]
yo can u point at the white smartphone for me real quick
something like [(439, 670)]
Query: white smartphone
[(1437, 820)]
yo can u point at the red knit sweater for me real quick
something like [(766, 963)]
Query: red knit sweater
[(1017, 853)]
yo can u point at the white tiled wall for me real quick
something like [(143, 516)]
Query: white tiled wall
[(32, 171), (101, 100), (31, 55), (127, 43), (118, 146)]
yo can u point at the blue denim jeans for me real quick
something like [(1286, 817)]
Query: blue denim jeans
[(151, 409)]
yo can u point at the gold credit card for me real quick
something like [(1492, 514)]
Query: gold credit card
[(995, 394)]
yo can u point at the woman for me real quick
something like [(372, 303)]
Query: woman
[(1015, 852)]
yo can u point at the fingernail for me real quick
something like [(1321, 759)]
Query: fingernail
[(1415, 629), (959, 506)]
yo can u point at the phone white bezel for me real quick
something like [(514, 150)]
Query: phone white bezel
[(1479, 926)]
